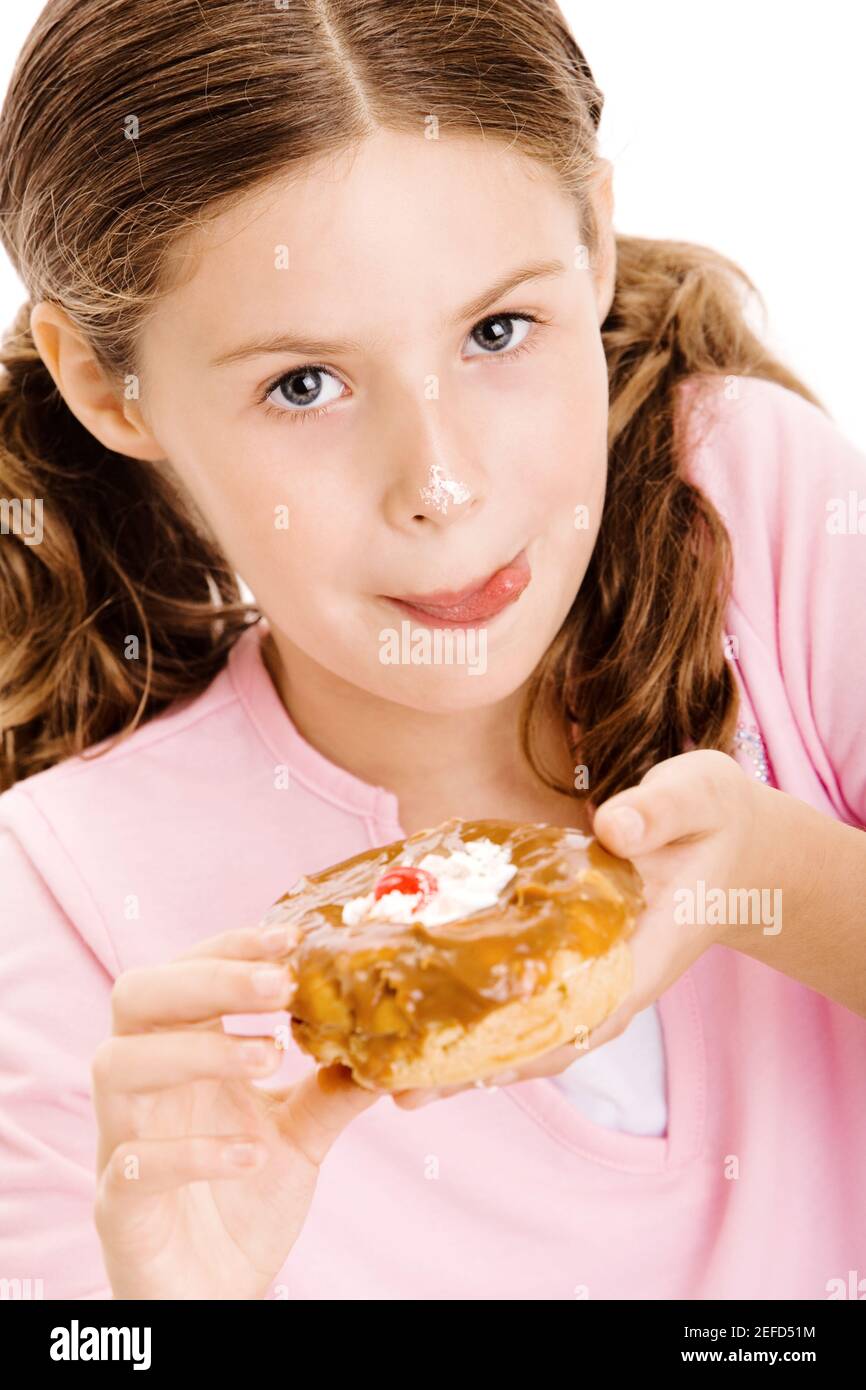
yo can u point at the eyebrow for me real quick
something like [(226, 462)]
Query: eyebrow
[(317, 347)]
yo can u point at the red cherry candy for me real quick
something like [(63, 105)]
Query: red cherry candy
[(405, 879)]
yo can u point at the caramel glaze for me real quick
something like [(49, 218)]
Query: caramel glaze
[(385, 985)]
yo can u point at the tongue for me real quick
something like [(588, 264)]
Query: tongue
[(503, 587)]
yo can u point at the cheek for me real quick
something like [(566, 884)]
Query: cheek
[(296, 547), (582, 426), (559, 453), (277, 516), (565, 500), (285, 523)]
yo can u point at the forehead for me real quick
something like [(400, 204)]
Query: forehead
[(355, 231)]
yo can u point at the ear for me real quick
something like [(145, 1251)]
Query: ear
[(101, 405), (604, 270)]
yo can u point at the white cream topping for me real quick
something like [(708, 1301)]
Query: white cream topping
[(467, 880), (576, 840)]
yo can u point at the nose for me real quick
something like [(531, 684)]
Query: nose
[(429, 458)]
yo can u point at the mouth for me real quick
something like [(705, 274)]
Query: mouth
[(477, 602)]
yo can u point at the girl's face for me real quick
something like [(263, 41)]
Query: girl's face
[(396, 450)]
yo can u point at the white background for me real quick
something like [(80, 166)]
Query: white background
[(739, 126)]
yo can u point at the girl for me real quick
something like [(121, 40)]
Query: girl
[(389, 224)]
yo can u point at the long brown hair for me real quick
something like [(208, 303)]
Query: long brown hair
[(127, 124)]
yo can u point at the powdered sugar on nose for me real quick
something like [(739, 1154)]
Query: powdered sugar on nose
[(467, 880)]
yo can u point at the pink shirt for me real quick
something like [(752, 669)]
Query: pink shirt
[(756, 1190)]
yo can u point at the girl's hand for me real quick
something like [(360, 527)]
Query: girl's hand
[(177, 1215), (697, 816)]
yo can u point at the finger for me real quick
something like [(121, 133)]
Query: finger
[(197, 990), (611, 1028), (681, 798), (548, 1064), (142, 1167), (246, 943), (422, 1095), (317, 1109), (137, 1064), (645, 970), (142, 1062)]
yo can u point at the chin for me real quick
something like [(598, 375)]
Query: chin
[(444, 690)]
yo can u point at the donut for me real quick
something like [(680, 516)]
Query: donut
[(460, 951)]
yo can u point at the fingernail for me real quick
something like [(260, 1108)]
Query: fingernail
[(276, 939), (628, 825), (270, 981)]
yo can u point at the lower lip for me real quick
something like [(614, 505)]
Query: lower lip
[(501, 590)]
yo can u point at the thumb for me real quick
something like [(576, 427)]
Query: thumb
[(682, 798), (612, 1027), (318, 1109)]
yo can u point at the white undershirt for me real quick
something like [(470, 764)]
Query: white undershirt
[(621, 1085)]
